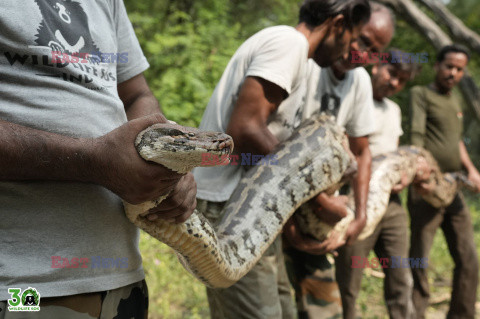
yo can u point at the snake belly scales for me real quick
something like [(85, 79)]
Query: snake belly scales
[(314, 159)]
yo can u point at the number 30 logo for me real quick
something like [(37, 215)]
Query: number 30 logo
[(16, 298), (28, 301)]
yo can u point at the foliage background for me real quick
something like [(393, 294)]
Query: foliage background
[(188, 44)]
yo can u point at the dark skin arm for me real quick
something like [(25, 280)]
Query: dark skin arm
[(111, 160), (137, 98), (359, 148), (139, 101), (258, 99), (423, 187), (304, 243), (473, 174), (332, 209)]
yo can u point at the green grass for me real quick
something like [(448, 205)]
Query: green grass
[(174, 293), (372, 305)]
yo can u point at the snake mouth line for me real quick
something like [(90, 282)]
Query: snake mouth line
[(223, 151), (224, 148)]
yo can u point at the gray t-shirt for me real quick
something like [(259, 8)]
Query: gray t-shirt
[(46, 226), (388, 127), (277, 54), (349, 100)]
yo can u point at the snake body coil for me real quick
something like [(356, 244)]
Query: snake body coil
[(313, 159), (387, 171)]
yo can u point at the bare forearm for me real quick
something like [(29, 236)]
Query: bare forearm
[(110, 160), (359, 147), (255, 140), (143, 105), (465, 158), (137, 98), (29, 154), (257, 100), (360, 188), (361, 184)]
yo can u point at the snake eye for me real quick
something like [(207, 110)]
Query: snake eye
[(169, 131), (191, 134)]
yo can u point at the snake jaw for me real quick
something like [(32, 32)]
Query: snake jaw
[(182, 148)]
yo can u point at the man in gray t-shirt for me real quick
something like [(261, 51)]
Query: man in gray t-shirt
[(73, 101), (390, 235), (257, 101), (344, 91)]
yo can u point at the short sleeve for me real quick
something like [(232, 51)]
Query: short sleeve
[(418, 116), (133, 62), (362, 123), (281, 59), (397, 129)]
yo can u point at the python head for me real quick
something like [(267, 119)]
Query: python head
[(181, 148)]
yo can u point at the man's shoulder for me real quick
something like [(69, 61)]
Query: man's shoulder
[(360, 73), (314, 71), (393, 108), (418, 89), (281, 31), (279, 41), (391, 104), (361, 78)]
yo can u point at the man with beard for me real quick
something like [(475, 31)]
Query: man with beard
[(390, 236), (257, 101), (344, 91), (436, 125)]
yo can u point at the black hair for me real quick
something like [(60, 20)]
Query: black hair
[(316, 12), (457, 48), (395, 59)]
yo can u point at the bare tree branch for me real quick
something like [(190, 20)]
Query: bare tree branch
[(460, 32), (419, 21), (435, 35)]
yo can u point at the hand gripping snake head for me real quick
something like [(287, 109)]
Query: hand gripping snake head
[(182, 148)]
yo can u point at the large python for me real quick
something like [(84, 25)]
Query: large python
[(387, 171), (312, 160)]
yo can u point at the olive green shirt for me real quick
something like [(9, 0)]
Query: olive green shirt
[(437, 125)]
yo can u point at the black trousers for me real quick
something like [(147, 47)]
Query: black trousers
[(389, 239), (456, 225)]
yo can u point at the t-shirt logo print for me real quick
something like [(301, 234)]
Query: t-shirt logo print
[(330, 104), (30, 301), (64, 27)]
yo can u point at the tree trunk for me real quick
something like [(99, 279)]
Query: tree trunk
[(460, 32), (407, 10)]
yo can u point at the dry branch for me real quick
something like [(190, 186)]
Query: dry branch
[(408, 11), (460, 32)]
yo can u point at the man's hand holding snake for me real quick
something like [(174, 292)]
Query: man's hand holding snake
[(123, 171)]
